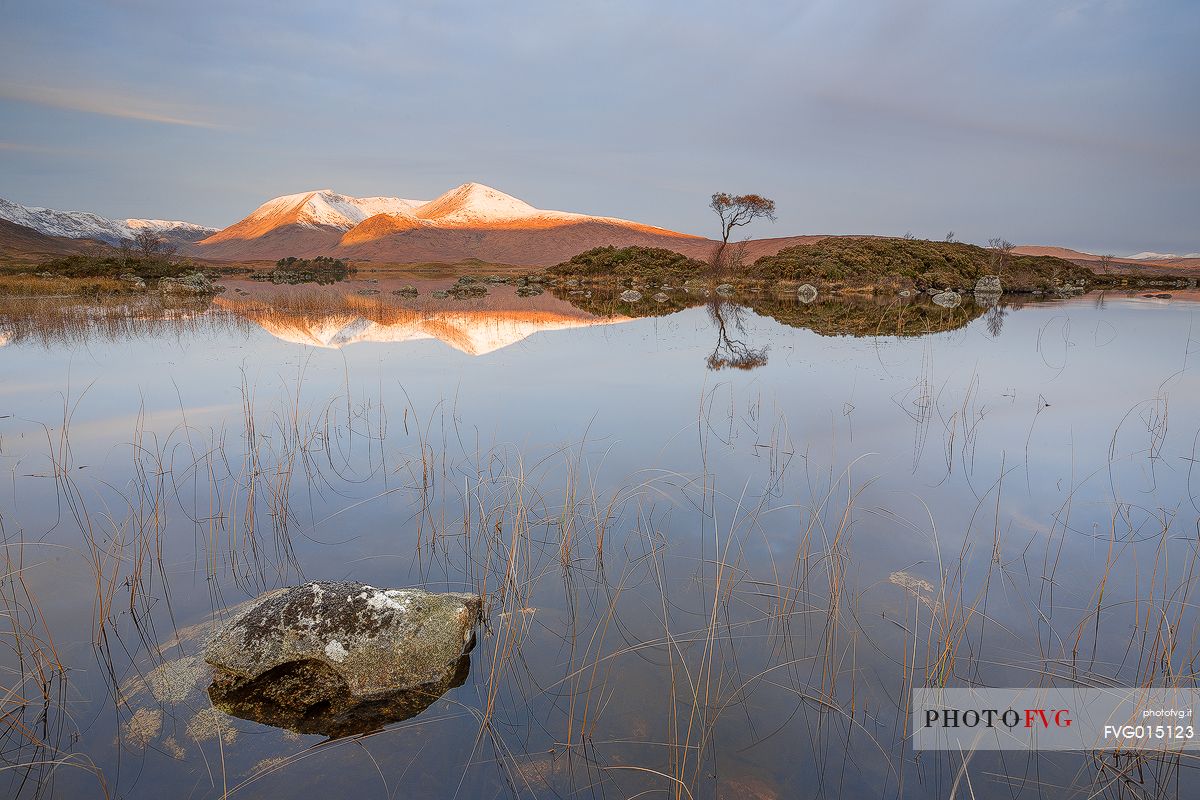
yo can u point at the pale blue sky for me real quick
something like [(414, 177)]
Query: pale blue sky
[(1072, 122)]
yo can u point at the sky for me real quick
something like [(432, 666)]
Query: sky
[(1065, 122)]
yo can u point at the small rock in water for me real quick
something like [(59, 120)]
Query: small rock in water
[(947, 299), (806, 293), (905, 292), (367, 292), (661, 297), (725, 290), (341, 657), (189, 283), (630, 295), (439, 295), (988, 284), (529, 291), (462, 291), (497, 279), (406, 291)]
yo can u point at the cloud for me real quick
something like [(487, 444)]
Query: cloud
[(109, 104)]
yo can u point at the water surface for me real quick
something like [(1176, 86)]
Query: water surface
[(703, 582)]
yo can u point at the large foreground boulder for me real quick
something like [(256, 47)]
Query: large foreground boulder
[(340, 657)]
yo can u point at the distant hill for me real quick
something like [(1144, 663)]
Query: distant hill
[(21, 241), (1184, 266), (86, 225)]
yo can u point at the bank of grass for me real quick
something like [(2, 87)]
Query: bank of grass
[(843, 263), (113, 265), (649, 264), (105, 272), (916, 262), (31, 285)]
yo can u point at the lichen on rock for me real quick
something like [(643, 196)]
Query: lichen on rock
[(328, 657)]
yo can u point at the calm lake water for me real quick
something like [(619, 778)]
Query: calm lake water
[(701, 582)]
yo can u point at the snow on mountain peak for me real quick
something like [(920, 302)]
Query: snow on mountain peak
[(474, 203), (85, 225), (1151, 256), (325, 207)]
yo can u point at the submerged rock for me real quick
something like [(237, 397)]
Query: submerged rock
[(529, 291), (462, 291), (439, 295), (988, 284), (189, 283), (947, 299), (630, 295), (406, 291), (341, 657), (806, 293)]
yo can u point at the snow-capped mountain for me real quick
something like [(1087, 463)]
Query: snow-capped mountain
[(1151, 256), (323, 207), (469, 205), (469, 221), (474, 204), (85, 225)]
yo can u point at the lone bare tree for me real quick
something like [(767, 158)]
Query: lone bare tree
[(148, 242), (125, 251), (1106, 262), (740, 209), (735, 211), (1001, 254), (153, 247)]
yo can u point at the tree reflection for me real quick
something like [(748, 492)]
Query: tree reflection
[(995, 319), (732, 351)]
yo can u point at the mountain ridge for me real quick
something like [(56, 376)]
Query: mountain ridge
[(469, 221), (86, 225)]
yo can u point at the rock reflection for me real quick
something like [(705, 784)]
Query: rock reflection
[(296, 697), (844, 315)]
